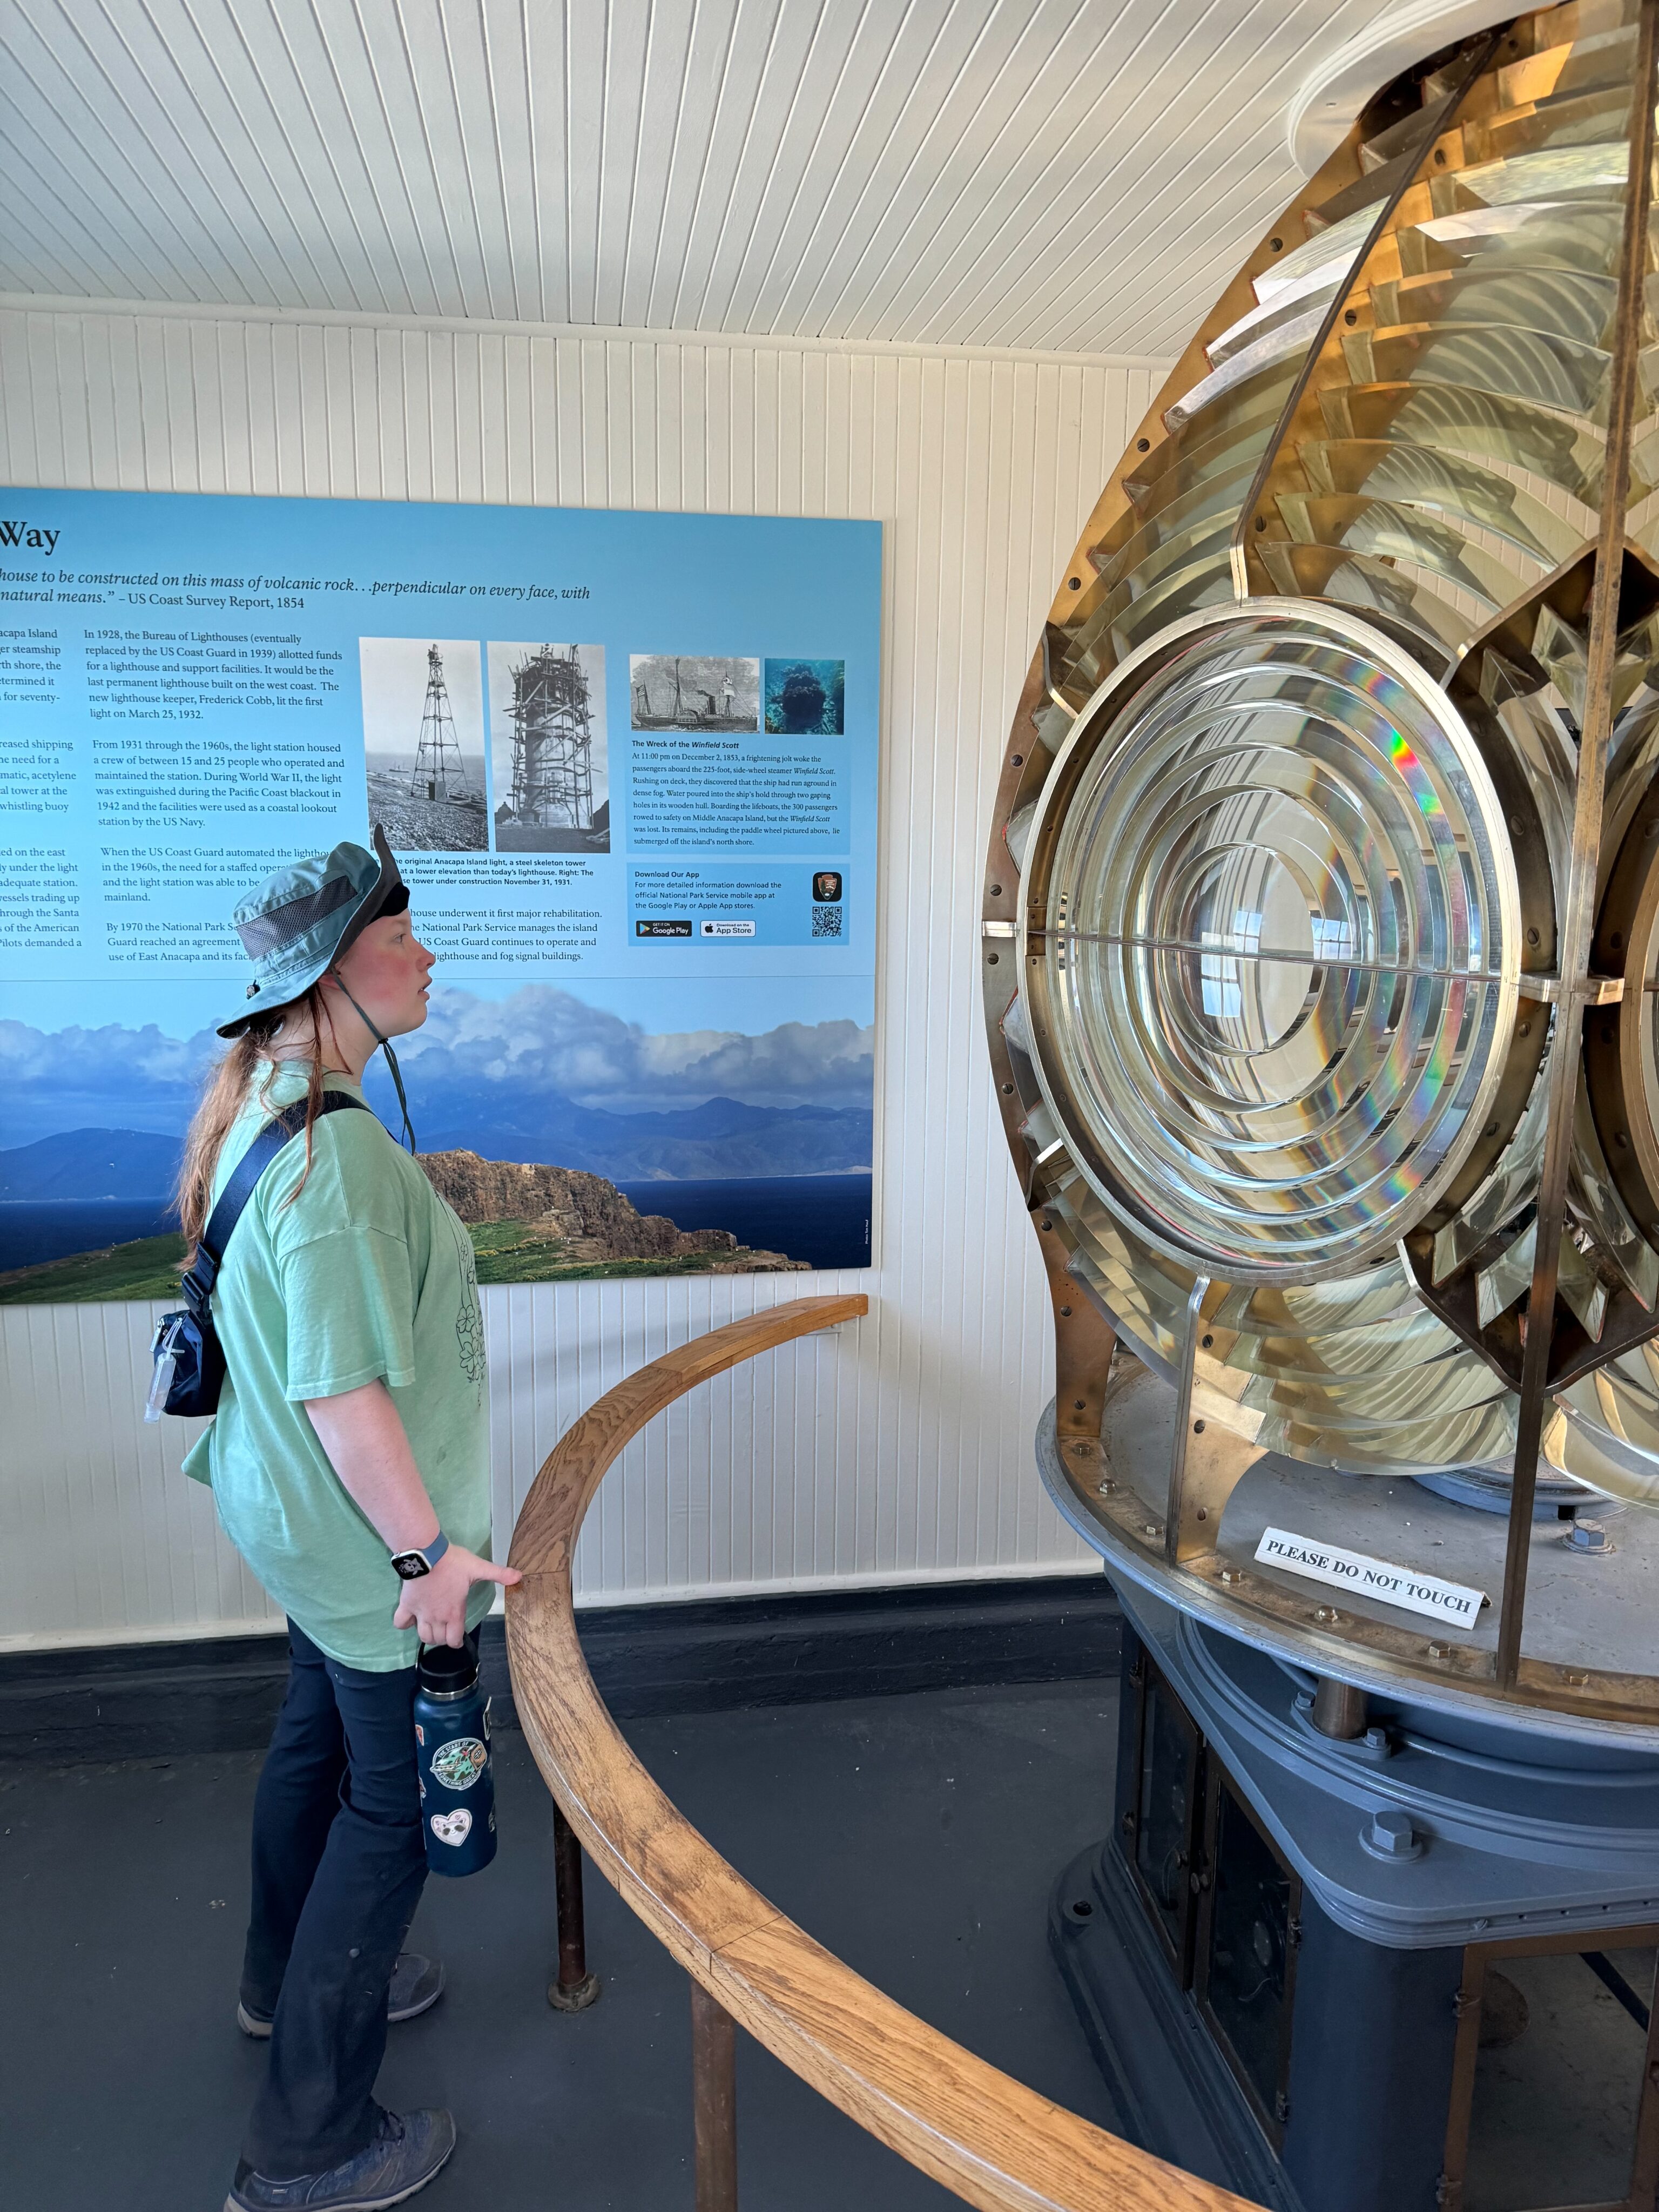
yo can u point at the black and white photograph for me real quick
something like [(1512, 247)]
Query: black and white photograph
[(423, 742), (692, 691), (548, 753)]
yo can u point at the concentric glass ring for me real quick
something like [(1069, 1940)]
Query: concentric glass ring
[(1271, 942)]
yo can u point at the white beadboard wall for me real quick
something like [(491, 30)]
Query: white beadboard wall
[(898, 1450)]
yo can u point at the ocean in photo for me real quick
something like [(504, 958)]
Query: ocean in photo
[(33, 1231), (823, 1220)]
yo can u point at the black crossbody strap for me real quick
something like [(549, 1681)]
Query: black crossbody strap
[(278, 1132)]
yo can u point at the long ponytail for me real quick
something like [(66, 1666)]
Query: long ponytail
[(223, 1097)]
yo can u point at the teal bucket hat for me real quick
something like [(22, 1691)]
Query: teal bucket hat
[(304, 918)]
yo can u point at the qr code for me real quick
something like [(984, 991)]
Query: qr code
[(826, 921)]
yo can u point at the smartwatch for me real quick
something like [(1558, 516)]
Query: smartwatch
[(411, 1566)]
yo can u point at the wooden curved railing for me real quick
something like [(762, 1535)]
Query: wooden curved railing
[(994, 2143)]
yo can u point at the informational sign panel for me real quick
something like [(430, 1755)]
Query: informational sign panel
[(629, 765)]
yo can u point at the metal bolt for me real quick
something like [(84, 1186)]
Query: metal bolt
[(1327, 1613), (1149, 1528), (1198, 1428), (991, 959), (1203, 1512), (1007, 1090), (1437, 1651), (1077, 1404), (1208, 1341), (1232, 1575), (1066, 1313), (1074, 583), (1106, 1485), (996, 890), (1016, 760), (1389, 1834), (1143, 445), (1532, 937), (1351, 317), (1588, 1536)]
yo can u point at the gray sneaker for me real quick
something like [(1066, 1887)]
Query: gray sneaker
[(407, 2151), (417, 1985)]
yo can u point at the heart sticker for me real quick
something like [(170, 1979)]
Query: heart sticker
[(453, 1827)]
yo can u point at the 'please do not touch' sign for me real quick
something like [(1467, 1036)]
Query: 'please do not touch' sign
[(1454, 1603)]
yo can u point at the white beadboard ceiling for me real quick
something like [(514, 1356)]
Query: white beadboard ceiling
[(1071, 175)]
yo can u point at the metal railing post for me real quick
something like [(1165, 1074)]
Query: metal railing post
[(572, 1988), (715, 2101)]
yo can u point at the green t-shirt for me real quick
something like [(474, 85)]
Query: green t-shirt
[(367, 1275)]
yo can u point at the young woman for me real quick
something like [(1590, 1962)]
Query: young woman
[(349, 1465)]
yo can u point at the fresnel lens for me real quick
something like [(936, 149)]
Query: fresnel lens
[(1322, 919)]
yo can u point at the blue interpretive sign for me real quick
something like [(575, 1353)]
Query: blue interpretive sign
[(628, 763)]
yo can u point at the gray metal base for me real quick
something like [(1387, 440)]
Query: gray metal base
[(1423, 1834), (1165, 2075), (1512, 1831)]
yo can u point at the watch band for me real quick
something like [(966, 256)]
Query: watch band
[(404, 1563)]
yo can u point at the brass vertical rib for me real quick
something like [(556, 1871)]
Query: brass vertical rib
[(1579, 917), (1436, 119), (1174, 1500)]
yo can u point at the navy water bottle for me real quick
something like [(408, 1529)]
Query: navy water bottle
[(451, 1749)]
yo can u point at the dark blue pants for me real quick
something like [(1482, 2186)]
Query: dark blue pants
[(338, 1865)]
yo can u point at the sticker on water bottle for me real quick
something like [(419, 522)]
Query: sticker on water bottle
[(453, 1827), (459, 1765)]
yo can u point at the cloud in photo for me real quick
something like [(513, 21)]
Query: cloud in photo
[(544, 1039), (111, 1076), (484, 1055)]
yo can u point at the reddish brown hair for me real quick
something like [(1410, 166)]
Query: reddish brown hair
[(225, 1093)]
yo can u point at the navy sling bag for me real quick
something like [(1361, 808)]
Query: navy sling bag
[(188, 1363)]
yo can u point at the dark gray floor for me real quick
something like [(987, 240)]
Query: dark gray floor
[(915, 1836)]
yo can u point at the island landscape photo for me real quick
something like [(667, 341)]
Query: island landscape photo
[(572, 1144)]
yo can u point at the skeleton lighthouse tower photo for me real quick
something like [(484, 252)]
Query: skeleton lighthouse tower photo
[(438, 772), (550, 749), (1320, 947)]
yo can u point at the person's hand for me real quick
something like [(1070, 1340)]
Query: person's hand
[(435, 1605)]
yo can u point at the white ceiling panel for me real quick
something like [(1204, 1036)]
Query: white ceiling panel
[(1058, 174)]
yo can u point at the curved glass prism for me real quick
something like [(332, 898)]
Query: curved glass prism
[(1274, 943)]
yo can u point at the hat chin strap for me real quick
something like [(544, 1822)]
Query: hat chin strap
[(390, 1059)]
